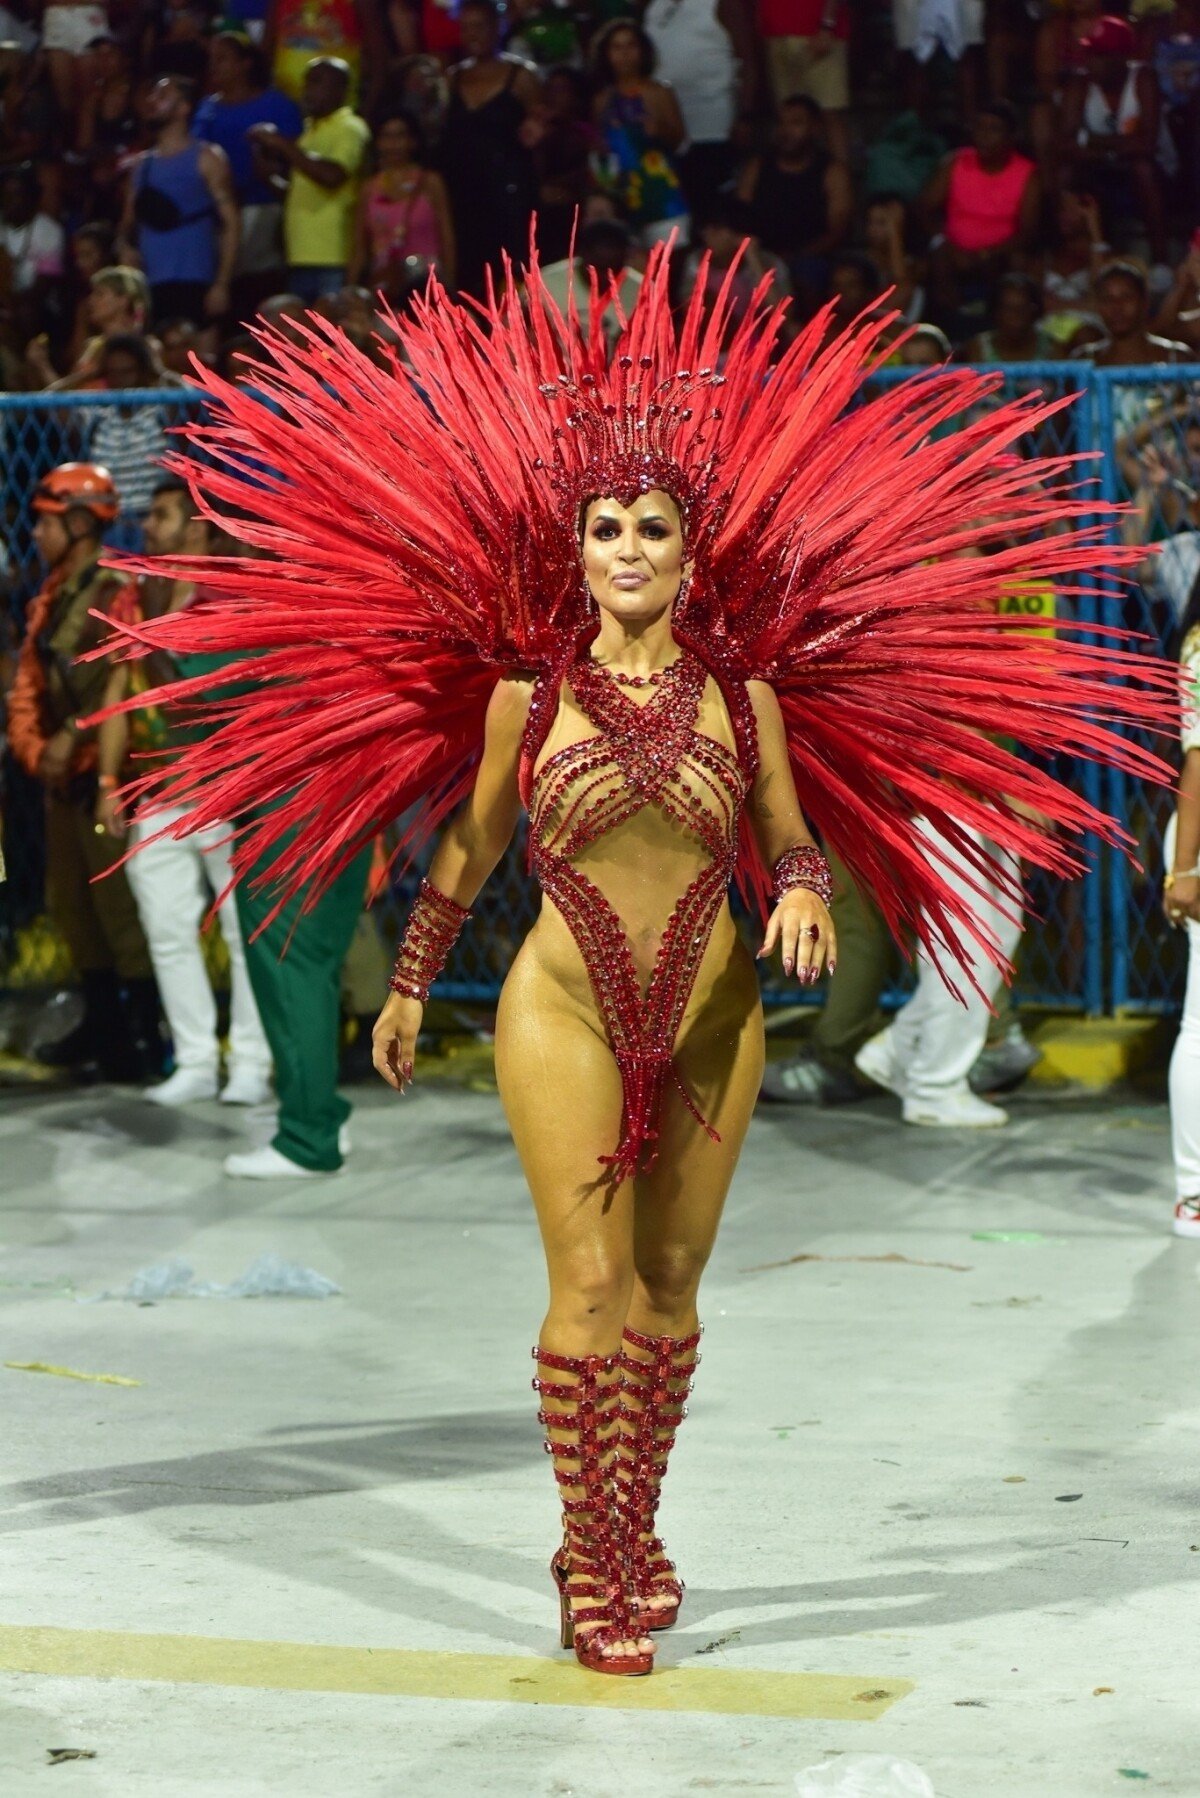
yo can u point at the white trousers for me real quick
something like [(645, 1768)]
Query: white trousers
[(1185, 1079), (936, 1038), (174, 881)]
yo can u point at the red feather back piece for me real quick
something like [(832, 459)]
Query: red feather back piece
[(416, 524)]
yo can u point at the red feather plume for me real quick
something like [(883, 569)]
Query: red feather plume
[(415, 523)]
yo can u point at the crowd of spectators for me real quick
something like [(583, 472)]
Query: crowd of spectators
[(1017, 180), (1022, 178)]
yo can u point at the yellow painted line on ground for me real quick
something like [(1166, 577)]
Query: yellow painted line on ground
[(71, 1373), (415, 1673)]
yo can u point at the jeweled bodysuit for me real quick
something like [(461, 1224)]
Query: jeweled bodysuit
[(633, 832)]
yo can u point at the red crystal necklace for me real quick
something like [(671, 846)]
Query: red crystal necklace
[(638, 680)]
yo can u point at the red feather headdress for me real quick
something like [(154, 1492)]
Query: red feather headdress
[(416, 523)]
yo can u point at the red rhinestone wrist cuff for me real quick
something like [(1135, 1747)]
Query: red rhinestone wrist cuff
[(433, 929), (804, 867)]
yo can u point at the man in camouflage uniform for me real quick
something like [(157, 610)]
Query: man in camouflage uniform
[(119, 1034)]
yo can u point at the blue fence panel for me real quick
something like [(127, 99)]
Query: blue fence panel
[(1148, 422), (1100, 942), (127, 431), (1061, 958)]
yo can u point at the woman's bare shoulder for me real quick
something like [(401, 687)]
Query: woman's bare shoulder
[(511, 695), (762, 697), (508, 707)]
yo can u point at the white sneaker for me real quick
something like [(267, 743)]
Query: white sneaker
[(1187, 1218), (344, 1144), (268, 1164), (246, 1086), (186, 1086), (876, 1060), (956, 1111)]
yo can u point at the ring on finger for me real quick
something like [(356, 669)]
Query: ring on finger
[(814, 931)]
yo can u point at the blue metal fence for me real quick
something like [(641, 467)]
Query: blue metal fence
[(40, 430), (1148, 422), (1065, 956), (1101, 943)]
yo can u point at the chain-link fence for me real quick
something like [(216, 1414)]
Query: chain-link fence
[(128, 433), (1093, 944), (1148, 420), (1061, 960)]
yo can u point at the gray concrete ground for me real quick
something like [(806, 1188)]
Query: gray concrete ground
[(959, 1467)]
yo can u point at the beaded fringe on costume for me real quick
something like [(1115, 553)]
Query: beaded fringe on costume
[(581, 1438), (642, 755), (657, 1379)]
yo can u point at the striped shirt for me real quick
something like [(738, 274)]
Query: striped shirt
[(130, 442)]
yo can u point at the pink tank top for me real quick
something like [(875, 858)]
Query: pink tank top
[(982, 209), (399, 228)]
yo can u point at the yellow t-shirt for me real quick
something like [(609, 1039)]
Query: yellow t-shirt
[(317, 221), (1035, 600)]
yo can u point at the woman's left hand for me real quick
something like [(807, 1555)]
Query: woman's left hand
[(802, 926), (1181, 901)]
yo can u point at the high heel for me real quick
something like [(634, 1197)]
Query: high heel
[(657, 1387), (588, 1571), (566, 1620)]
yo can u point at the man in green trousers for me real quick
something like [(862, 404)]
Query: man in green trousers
[(295, 969)]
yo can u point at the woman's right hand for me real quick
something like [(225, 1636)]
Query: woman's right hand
[(109, 815), (394, 1040), (1155, 471), (37, 355)]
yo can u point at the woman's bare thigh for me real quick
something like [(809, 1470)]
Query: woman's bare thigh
[(561, 1091), (719, 1059)]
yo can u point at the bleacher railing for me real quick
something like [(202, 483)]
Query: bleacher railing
[(1095, 944)]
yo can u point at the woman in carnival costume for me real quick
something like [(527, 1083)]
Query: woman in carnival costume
[(676, 598)]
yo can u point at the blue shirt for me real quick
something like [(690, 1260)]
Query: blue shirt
[(218, 123), (185, 250)]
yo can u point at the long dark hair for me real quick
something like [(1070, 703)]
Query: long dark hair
[(402, 115), (600, 56)]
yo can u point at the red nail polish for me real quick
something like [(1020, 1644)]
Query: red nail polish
[(406, 1070), (787, 966)]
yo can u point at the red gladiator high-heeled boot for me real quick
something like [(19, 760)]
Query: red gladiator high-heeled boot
[(656, 1379), (588, 1569)]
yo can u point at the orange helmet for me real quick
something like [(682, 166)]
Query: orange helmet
[(85, 485)]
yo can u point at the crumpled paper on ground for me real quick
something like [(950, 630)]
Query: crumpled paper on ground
[(864, 1776), (268, 1276)]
